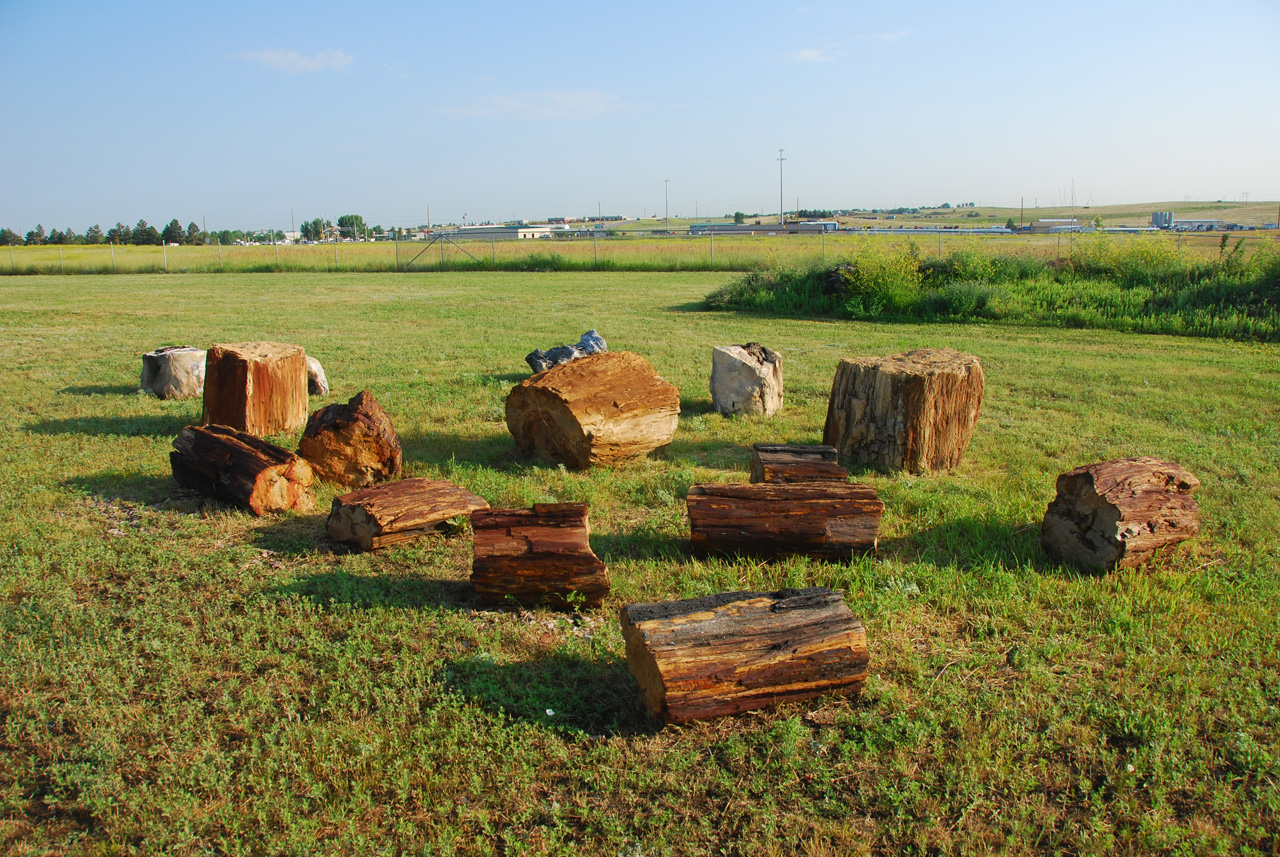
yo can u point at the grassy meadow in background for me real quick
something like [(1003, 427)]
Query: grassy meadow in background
[(180, 677)]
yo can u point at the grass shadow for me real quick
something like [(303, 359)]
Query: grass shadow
[(294, 534), (151, 425), (561, 691), (969, 543), (143, 489), (497, 453), (641, 545), (406, 593), (102, 390), (690, 408), (508, 377), (691, 306)]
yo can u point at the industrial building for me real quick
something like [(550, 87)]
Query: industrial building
[(762, 228)]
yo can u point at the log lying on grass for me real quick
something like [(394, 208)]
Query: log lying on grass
[(914, 411), (823, 520), (537, 556), (772, 463), (352, 444), (174, 372), (243, 469), (594, 410), (397, 512), (1116, 514), (722, 654), (258, 387)]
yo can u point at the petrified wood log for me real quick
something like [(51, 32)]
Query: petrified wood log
[(537, 556), (397, 512), (594, 410), (1116, 514), (174, 372), (317, 381), (746, 379), (258, 387), (823, 520), (722, 654), (914, 411), (352, 444), (770, 463), (243, 469)]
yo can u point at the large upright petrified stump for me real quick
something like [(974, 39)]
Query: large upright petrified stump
[(240, 468), (594, 410), (537, 556), (746, 379), (258, 387), (397, 512), (352, 444), (722, 654), (174, 372), (914, 411), (1116, 514)]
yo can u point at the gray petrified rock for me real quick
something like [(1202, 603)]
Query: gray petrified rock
[(746, 379), (174, 372), (317, 383), (541, 361)]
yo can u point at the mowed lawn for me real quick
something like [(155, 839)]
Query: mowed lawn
[(179, 677)]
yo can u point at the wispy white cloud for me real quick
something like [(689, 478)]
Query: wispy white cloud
[(547, 104), (293, 62), (886, 38), (811, 55)]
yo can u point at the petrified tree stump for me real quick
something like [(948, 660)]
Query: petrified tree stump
[(823, 520), (746, 379), (770, 463), (397, 512), (352, 444), (174, 372), (594, 410), (1116, 514), (243, 469), (537, 556), (722, 654), (317, 381), (914, 411), (258, 387)]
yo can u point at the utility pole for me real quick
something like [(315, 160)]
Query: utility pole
[(782, 217), (666, 201)]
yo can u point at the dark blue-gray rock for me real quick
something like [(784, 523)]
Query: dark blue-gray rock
[(592, 343), (541, 361)]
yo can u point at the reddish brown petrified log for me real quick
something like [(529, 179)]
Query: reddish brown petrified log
[(722, 654), (243, 469), (823, 520), (914, 411), (594, 410), (537, 556), (397, 512), (1116, 514), (258, 387), (352, 444), (795, 463)]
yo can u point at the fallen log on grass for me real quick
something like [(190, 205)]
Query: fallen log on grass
[(538, 556), (240, 468), (397, 512), (773, 463), (722, 654)]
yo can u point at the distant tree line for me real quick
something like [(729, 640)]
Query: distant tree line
[(142, 233)]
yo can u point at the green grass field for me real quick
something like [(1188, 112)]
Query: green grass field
[(177, 677)]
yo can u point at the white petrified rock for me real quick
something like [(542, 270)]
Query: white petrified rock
[(317, 383), (746, 379), (174, 372)]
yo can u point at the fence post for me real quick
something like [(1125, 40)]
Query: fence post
[(335, 251), (61, 269), (493, 250), (164, 253), (110, 244), (219, 252), (13, 266), (397, 235), (713, 249)]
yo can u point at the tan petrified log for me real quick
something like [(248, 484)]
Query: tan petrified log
[(823, 520), (174, 372), (746, 379), (397, 512), (258, 387), (594, 410), (537, 556), (241, 468), (913, 411), (736, 651), (796, 463), (352, 444), (1116, 514)]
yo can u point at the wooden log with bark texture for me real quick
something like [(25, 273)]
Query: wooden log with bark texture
[(352, 444), (1116, 514), (258, 387), (397, 512), (913, 411), (772, 463), (823, 520), (241, 468), (736, 651), (594, 410), (537, 556)]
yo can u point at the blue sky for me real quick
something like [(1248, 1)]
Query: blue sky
[(240, 113)]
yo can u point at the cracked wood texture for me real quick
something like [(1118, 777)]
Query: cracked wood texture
[(913, 411), (594, 410), (736, 651), (823, 520), (538, 556), (1116, 514), (258, 387), (241, 468), (397, 512), (352, 444), (772, 463)]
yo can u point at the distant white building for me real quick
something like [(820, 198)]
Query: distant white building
[(505, 233)]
